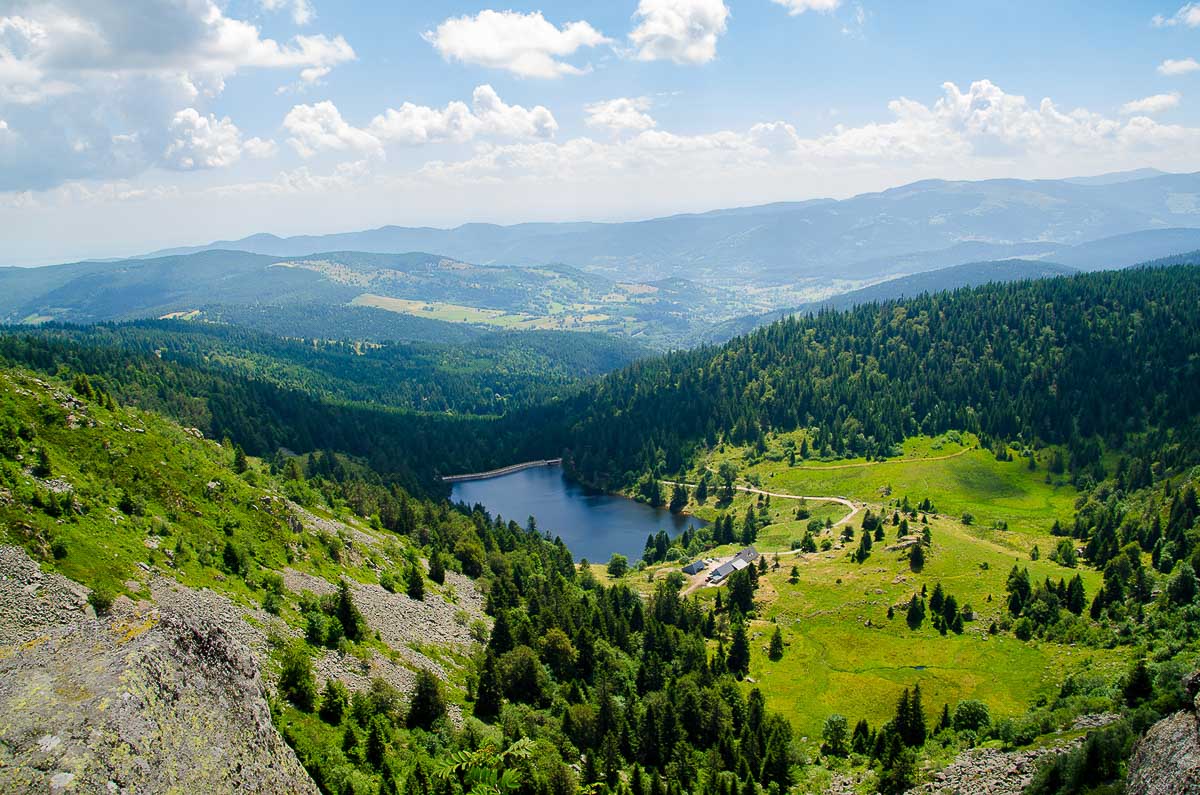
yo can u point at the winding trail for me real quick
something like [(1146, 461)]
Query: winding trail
[(698, 580)]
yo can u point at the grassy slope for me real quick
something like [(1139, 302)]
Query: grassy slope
[(190, 503), (834, 660)]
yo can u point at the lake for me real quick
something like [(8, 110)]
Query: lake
[(592, 524)]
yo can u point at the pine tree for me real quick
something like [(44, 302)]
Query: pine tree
[(738, 661), (917, 730), (488, 692), (378, 737), (776, 651), (937, 598), (240, 464), (944, 721), (437, 569), (916, 613), (1076, 598), (416, 583), (916, 558), (353, 624), (335, 700), (427, 705)]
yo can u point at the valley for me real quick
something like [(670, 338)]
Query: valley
[(936, 501)]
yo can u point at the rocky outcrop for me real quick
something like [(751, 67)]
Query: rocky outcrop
[(150, 699), (31, 600), (1167, 760), (990, 771)]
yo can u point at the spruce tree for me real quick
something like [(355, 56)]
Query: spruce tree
[(916, 558), (416, 583), (353, 624), (488, 691), (428, 705), (937, 598), (738, 661), (776, 651), (437, 569)]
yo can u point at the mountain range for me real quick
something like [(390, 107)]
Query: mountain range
[(921, 226)]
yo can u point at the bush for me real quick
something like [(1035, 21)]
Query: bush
[(335, 701), (58, 548), (101, 600), (971, 715), (296, 682)]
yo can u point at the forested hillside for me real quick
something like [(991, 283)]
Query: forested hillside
[(1071, 360), (493, 373)]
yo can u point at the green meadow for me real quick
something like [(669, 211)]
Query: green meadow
[(842, 652)]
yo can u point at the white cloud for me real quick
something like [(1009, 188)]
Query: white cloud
[(524, 44), (795, 7), (199, 142), (302, 10), (1151, 105), (1188, 15), (321, 127), (683, 31), (1174, 68), (972, 130), (94, 85), (260, 149), (621, 114), (510, 121)]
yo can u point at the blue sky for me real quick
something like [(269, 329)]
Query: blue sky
[(126, 126)]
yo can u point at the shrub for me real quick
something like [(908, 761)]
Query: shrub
[(101, 600), (971, 715), (296, 682)]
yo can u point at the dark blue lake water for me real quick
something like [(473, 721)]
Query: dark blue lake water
[(592, 524)]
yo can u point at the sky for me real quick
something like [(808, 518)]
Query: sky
[(132, 125)]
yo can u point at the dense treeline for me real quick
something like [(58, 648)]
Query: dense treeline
[(1072, 360), (492, 374), (401, 448), (603, 689)]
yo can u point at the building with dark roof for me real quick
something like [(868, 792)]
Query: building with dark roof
[(740, 561)]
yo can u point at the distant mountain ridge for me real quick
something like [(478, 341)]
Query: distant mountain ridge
[(904, 229), (972, 274)]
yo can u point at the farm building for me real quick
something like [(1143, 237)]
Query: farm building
[(695, 567), (740, 561)]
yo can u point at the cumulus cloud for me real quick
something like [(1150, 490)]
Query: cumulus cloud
[(683, 31), (260, 148), (320, 127), (525, 44), (795, 7), (72, 70), (202, 142), (302, 10), (969, 128), (1151, 105), (1174, 68), (621, 114), (1188, 15)]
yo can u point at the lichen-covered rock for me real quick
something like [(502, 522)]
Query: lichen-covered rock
[(990, 771), (148, 700), (1167, 759)]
